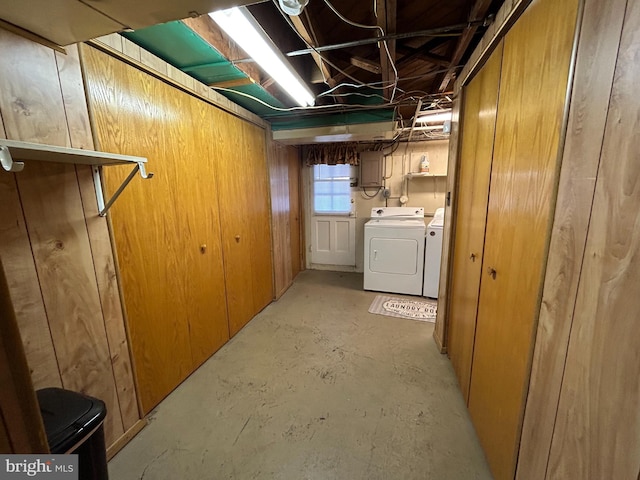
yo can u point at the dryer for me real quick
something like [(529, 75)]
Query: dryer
[(394, 250)]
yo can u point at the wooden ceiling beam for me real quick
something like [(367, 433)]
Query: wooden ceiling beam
[(478, 12), (365, 64), (387, 18), (411, 54), (309, 36)]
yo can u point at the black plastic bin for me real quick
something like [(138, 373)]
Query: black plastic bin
[(74, 423)]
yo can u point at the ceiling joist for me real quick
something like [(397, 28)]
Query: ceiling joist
[(478, 12), (386, 10)]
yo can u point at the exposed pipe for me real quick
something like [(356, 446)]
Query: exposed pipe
[(395, 36)]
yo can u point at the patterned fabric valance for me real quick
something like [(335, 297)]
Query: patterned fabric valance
[(333, 154)]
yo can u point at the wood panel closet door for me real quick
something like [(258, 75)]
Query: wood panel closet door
[(244, 208), (535, 68), (259, 207), (533, 87), (478, 123), (173, 293)]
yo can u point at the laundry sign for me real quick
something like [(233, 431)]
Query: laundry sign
[(405, 308)]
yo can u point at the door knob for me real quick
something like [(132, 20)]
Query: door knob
[(492, 271), (472, 257), (238, 238), (203, 248)]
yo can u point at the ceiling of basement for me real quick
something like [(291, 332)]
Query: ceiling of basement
[(352, 74)]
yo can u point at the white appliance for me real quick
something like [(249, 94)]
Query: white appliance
[(432, 254), (394, 250)]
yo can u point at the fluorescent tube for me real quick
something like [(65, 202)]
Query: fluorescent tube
[(243, 29)]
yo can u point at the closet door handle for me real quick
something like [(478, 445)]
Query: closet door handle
[(473, 257), (238, 238), (492, 272)]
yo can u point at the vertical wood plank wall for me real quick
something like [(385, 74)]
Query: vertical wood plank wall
[(479, 123), (448, 233), (56, 254), (595, 63), (284, 170), (597, 432)]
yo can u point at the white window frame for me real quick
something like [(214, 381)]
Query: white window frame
[(342, 179)]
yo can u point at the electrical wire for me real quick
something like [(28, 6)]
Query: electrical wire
[(365, 194), (326, 60), (384, 43)]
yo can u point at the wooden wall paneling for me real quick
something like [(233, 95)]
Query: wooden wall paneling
[(474, 172), (279, 180), (597, 433), (535, 71), (448, 233), (72, 87), (295, 224), (233, 198), (206, 299), (259, 205), (32, 110), (129, 109), (21, 428), (20, 270), (596, 60), (31, 102), (60, 242)]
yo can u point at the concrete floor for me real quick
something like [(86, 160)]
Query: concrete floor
[(315, 387)]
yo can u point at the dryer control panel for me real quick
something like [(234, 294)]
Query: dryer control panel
[(398, 212)]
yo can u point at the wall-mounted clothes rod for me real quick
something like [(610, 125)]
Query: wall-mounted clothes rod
[(13, 154)]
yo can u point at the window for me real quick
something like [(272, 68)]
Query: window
[(331, 189)]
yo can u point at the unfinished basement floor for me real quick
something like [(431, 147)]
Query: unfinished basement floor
[(315, 387)]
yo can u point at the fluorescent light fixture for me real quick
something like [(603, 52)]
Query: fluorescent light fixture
[(245, 31), (437, 116)]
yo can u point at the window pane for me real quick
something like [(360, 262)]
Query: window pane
[(331, 190)]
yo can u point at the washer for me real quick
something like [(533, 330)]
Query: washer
[(394, 250), (432, 254)]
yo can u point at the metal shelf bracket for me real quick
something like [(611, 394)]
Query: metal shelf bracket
[(7, 161), (103, 207)]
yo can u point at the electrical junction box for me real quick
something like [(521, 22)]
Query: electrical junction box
[(371, 164)]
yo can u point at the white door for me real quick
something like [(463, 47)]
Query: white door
[(333, 240), (333, 228)]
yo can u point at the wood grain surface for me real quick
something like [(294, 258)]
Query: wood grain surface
[(31, 103), (596, 60), (474, 173), (597, 434), (256, 177), (209, 201), (448, 230), (535, 69), (20, 270), (295, 208), (234, 197), (157, 237), (60, 242), (74, 99), (43, 101), (21, 428), (280, 208)]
